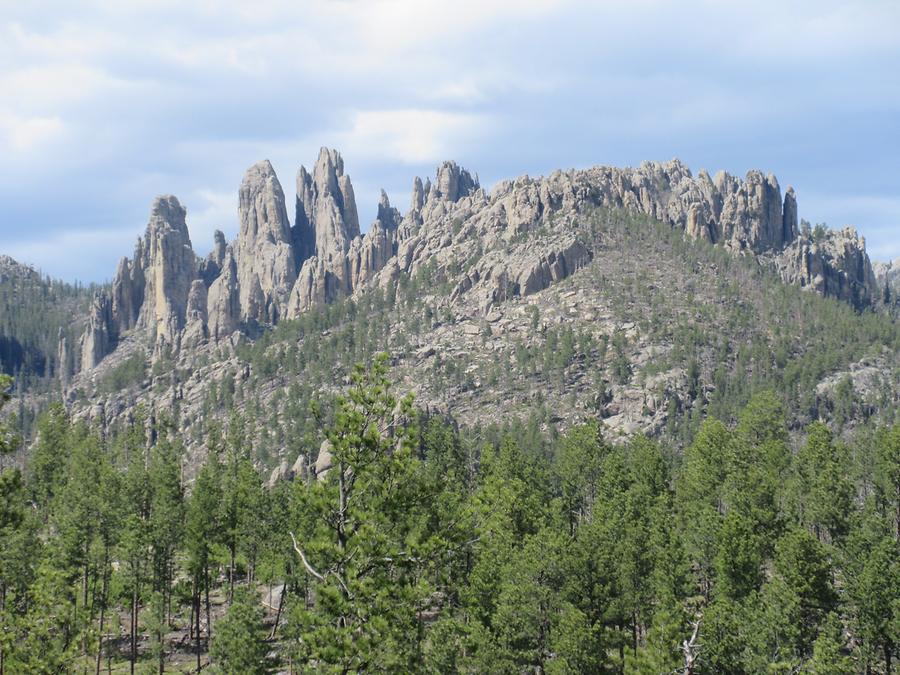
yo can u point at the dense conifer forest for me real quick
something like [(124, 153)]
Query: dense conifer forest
[(418, 546)]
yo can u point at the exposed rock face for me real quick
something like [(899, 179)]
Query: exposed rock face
[(834, 264), (888, 277), (789, 220), (323, 461), (151, 291), (751, 212), (99, 336), (515, 241), (369, 254), (502, 276), (169, 267), (195, 329), (223, 300), (128, 290), (326, 224), (211, 266), (266, 267), (452, 183), (62, 358)]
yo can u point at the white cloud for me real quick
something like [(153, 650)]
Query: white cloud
[(213, 211), (111, 100), (74, 253), (27, 134), (412, 136)]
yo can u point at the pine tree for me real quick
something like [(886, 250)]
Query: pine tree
[(828, 656), (361, 538), (825, 493), (201, 533), (238, 647)]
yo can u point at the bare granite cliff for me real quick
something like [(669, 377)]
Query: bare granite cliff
[(516, 240)]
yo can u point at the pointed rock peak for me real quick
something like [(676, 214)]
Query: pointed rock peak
[(167, 212), (261, 206), (261, 170), (219, 246), (452, 182), (676, 168), (387, 215), (790, 227), (417, 201), (329, 168)]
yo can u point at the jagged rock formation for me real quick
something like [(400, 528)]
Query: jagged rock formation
[(168, 266), (888, 277), (99, 337), (745, 216), (326, 224), (62, 358), (266, 265), (196, 330), (515, 241), (223, 301), (151, 290), (834, 264), (324, 461)]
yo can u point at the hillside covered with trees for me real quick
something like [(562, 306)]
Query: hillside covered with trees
[(415, 546)]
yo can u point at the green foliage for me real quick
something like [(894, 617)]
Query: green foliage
[(423, 547), (363, 536), (131, 371), (35, 311), (239, 647)]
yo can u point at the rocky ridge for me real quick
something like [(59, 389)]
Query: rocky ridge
[(888, 276), (516, 240)]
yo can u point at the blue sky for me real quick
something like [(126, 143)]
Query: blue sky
[(106, 104)]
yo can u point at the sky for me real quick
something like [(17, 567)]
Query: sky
[(104, 105)]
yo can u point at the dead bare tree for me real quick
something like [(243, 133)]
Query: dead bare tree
[(691, 649)]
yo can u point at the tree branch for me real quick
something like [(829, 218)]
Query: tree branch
[(309, 568)]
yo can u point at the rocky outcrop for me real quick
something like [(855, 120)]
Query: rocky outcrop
[(62, 358), (326, 223), (369, 254), (99, 338), (151, 290), (169, 267), (324, 461), (336, 259), (887, 274), (833, 263), (223, 300), (211, 266), (196, 330), (264, 253), (522, 272), (297, 471), (522, 237), (748, 215), (751, 216), (452, 183), (128, 290), (790, 224)]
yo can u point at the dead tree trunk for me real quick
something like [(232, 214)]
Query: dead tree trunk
[(691, 650)]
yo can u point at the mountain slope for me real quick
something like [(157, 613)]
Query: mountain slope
[(652, 334), (647, 297), (36, 327)]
